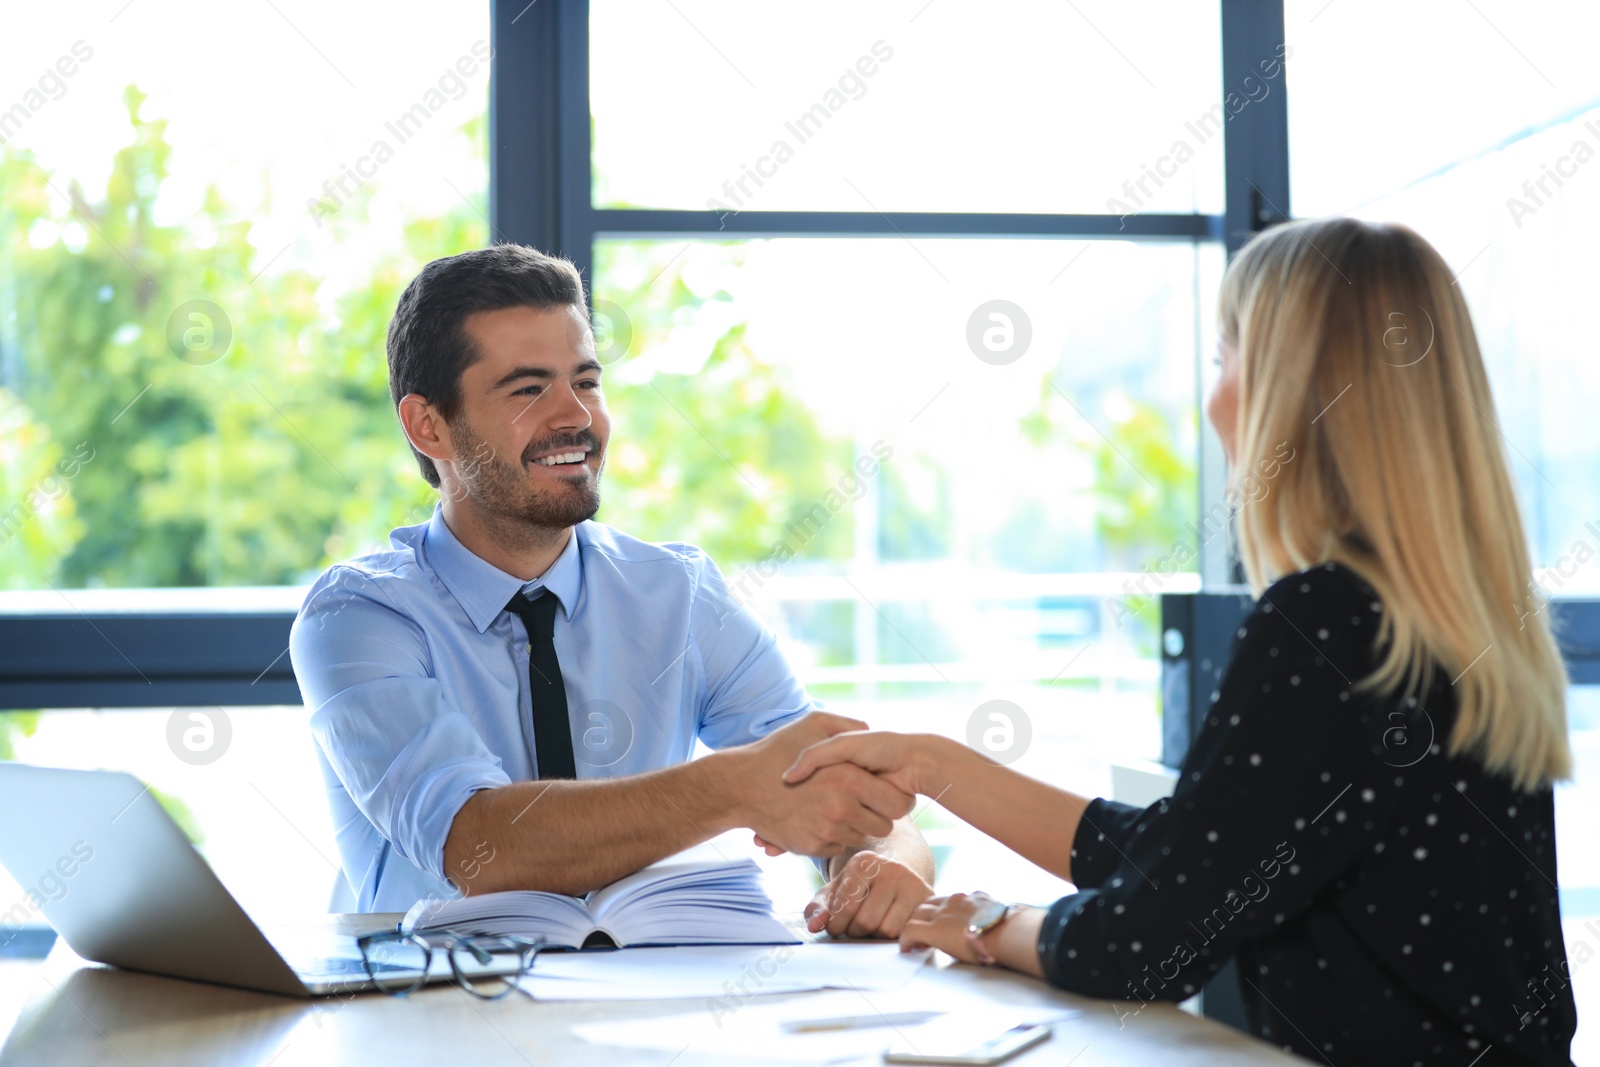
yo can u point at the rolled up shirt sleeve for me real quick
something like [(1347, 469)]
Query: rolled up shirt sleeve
[(403, 750)]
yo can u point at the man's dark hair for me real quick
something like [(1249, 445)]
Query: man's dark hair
[(429, 347)]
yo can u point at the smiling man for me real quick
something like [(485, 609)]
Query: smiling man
[(508, 697)]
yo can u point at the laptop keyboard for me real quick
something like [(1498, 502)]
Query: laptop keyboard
[(340, 967)]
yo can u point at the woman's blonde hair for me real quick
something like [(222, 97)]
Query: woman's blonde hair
[(1356, 350)]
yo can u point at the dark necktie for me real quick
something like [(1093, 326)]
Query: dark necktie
[(552, 731)]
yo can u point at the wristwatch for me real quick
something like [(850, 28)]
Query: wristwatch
[(989, 914)]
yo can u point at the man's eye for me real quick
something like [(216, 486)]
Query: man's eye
[(528, 390), (588, 383)]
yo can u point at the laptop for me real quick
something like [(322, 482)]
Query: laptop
[(122, 885)]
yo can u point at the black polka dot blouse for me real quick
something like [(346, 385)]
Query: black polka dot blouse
[(1386, 903)]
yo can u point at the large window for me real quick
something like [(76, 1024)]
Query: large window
[(930, 528), (200, 260), (913, 351), (206, 215), (844, 273)]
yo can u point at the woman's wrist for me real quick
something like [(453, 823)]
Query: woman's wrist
[(1014, 943), (934, 763)]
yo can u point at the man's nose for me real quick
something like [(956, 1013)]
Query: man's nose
[(565, 411)]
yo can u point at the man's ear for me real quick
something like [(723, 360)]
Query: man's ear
[(426, 428)]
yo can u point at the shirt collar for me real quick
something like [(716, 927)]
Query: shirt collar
[(482, 588)]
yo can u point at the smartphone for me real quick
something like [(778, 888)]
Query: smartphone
[(997, 1049)]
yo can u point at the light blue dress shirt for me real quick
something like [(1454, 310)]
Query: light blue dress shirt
[(417, 679)]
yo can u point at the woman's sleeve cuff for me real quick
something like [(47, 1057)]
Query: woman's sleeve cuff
[(1056, 952)]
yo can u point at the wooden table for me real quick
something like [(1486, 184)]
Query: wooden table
[(84, 1014)]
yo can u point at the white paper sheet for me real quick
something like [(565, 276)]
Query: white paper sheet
[(759, 1024), (730, 972)]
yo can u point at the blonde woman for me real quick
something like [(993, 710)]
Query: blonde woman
[(1365, 819)]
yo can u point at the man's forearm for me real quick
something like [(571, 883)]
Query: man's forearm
[(571, 837), (575, 836)]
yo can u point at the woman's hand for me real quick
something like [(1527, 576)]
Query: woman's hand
[(941, 922), (905, 761)]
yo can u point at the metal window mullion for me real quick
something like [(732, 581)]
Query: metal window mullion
[(1256, 136), (523, 124), (575, 149), (1256, 194), (658, 223)]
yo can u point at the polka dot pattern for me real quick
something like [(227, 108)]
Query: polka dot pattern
[(1384, 904)]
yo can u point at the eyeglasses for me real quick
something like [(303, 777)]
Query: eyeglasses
[(487, 967)]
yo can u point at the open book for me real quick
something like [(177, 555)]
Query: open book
[(674, 903)]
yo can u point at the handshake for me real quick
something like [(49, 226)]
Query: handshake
[(822, 786), (813, 787)]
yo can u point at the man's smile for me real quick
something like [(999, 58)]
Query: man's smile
[(569, 458)]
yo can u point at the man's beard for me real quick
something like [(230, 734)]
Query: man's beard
[(500, 490)]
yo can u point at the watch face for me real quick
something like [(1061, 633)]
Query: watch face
[(986, 916)]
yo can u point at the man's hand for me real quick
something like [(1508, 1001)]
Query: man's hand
[(872, 895), (838, 807)]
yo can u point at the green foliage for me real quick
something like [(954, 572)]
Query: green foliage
[(37, 518), (671, 472), (1140, 475), (283, 455), (1141, 508), (1138, 485), (38, 515), (13, 725), (252, 469)]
